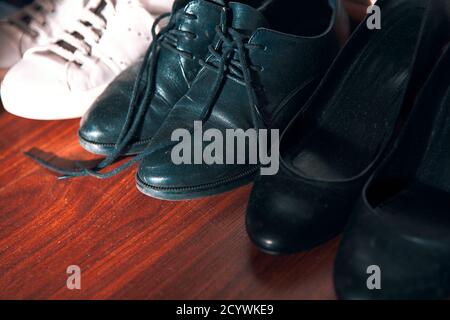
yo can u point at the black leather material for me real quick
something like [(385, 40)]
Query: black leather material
[(402, 221), (329, 150), (102, 124), (292, 65)]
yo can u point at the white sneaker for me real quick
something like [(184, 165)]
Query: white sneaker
[(35, 24), (63, 79), (157, 7)]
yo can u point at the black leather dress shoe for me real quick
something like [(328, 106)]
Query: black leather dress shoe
[(184, 42), (402, 222), (262, 70), (329, 151)]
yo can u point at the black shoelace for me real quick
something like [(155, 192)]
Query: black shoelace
[(228, 57)]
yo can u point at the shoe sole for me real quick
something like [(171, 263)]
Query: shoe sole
[(106, 149), (196, 192)]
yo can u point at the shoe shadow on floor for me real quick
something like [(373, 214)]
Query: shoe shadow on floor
[(308, 275), (57, 162)]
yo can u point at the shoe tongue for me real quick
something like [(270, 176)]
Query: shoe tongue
[(246, 19)]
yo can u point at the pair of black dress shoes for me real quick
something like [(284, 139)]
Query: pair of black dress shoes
[(365, 147), (262, 61), (249, 64)]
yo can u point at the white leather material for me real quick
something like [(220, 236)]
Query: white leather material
[(158, 6), (62, 83)]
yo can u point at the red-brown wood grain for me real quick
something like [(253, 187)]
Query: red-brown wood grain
[(130, 246)]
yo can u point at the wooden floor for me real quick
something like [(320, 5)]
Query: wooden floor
[(127, 245)]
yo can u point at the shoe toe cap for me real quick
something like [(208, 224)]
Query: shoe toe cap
[(277, 221), (34, 88), (161, 170), (103, 121), (287, 216), (157, 170)]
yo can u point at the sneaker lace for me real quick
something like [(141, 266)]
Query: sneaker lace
[(140, 99), (77, 45), (32, 18)]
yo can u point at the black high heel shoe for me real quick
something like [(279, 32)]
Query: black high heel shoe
[(402, 222), (329, 151)]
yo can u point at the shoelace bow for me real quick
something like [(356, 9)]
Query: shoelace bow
[(229, 56), (35, 12), (140, 99)]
